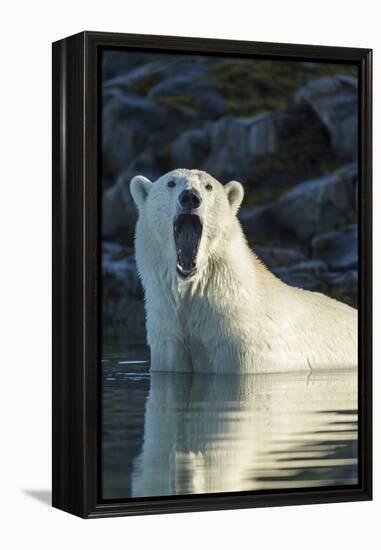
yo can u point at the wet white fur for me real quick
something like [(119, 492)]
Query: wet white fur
[(234, 315)]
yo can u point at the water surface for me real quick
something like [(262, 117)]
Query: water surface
[(176, 434)]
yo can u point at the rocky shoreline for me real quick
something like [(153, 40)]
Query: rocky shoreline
[(288, 134)]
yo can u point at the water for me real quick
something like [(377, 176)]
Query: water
[(177, 434)]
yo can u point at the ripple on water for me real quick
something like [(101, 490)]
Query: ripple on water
[(166, 434)]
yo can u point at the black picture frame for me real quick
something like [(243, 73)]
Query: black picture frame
[(76, 337)]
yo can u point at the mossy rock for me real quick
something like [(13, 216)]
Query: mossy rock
[(303, 152), (254, 86)]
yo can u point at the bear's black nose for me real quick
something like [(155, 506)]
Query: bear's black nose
[(189, 199)]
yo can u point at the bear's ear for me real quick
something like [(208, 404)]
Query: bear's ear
[(235, 192), (139, 188)]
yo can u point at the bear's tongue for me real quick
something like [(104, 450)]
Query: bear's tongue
[(187, 232)]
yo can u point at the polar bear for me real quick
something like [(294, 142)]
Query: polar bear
[(211, 304)]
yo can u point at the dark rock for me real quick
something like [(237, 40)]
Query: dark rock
[(121, 267), (313, 267), (122, 294), (261, 225), (156, 75), (119, 213), (300, 279), (337, 248), (191, 148), (334, 100), (122, 316), (145, 164), (343, 286), (306, 274), (273, 256), (200, 92), (236, 143), (129, 81), (264, 151), (319, 205), (178, 84), (180, 80), (120, 62), (128, 126)]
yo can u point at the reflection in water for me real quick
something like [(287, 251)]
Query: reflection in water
[(166, 434)]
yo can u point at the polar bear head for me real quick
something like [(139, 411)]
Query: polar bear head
[(186, 215)]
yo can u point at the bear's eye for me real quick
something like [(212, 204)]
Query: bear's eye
[(208, 187), (171, 183)]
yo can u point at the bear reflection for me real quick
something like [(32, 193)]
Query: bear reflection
[(216, 433)]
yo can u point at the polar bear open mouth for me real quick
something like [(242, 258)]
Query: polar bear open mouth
[(187, 230)]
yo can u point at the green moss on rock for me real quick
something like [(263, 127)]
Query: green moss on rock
[(256, 86)]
